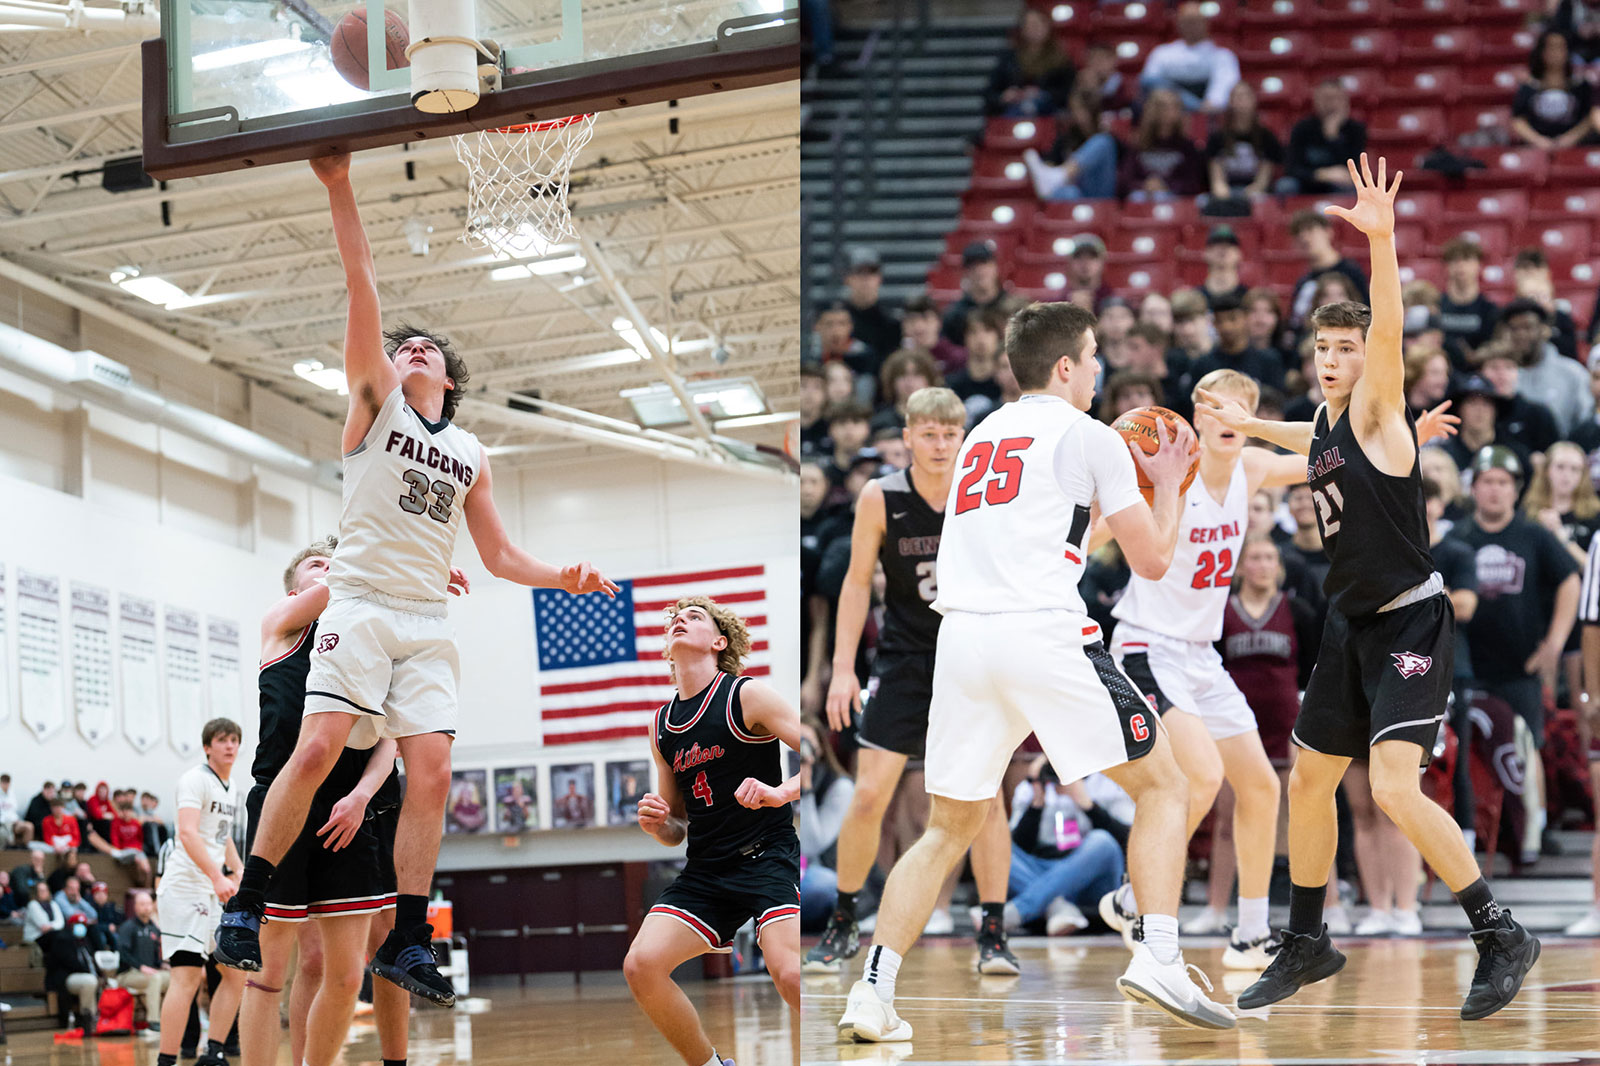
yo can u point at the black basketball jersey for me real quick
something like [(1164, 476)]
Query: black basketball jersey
[(1374, 528), (711, 753), (910, 548)]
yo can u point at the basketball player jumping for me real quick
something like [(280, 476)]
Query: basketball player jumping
[(897, 523), (1383, 673), (720, 773), (1017, 654), (386, 655)]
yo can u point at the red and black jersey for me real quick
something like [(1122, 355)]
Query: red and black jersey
[(711, 752), (1269, 659)]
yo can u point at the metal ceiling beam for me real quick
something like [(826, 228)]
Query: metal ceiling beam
[(47, 121), (71, 59), (110, 315)]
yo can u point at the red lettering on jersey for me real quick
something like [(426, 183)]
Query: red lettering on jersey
[(686, 759), (1137, 726)]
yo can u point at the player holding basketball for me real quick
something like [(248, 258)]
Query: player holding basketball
[(385, 654), (1383, 675), (897, 523), (721, 779), (1018, 654)]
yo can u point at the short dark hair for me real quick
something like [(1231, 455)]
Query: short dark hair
[(1461, 248), (812, 370), (920, 304), (990, 318), (848, 411), (1151, 332), (1305, 219), (454, 365), (1039, 335), (886, 433), (223, 727), (1346, 314), (908, 361), (1530, 258)]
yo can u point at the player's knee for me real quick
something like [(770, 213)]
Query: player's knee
[(870, 799), (315, 754), (1393, 793), (1257, 790), (1205, 782), (342, 979), (640, 966)]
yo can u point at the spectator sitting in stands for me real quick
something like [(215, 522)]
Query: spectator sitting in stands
[(156, 830), (1062, 860), (1561, 498), (1126, 390), (9, 814), (1116, 319), (1466, 315), (1198, 72), (1032, 77), (106, 913), (100, 809), (813, 400), (69, 970), (1264, 317), (1144, 351), (1223, 256), (891, 447), (139, 950), (849, 425), (919, 324), (1560, 384), (840, 383), (825, 794), (1082, 162), (975, 382), (1531, 280), (1522, 420), (76, 798), (835, 342), (24, 877), (1313, 236), (39, 808), (74, 903), (1427, 381), (62, 833), (1191, 337), (1321, 143), (980, 288), (1156, 310), (126, 843), (1554, 108), (1086, 268), (41, 920), (9, 911), (1233, 351), (1099, 71), (1243, 156), (904, 372), (1477, 404), (870, 322), (1163, 163), (1579, 20)]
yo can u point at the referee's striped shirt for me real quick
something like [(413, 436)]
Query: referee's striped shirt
[(1589, 599)]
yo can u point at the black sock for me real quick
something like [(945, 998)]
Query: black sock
[(410, 912), (394, 1062), (253, 885), (166, 1060), (847, 904), (1305, 909), (994, 912), (1479, 903), (213, 1047)]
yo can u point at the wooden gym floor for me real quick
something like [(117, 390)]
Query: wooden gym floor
[(549, 1021), (1397, 1001)]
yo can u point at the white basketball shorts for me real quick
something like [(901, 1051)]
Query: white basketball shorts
[(1186, 674), (999, 677), (390, 660), (187, 911)]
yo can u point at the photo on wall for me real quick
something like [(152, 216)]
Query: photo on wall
[(467, 810), (626, 783), (516, 799), (572, 795)]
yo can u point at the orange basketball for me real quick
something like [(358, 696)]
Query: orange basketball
[(1139, 427), (349, 45)]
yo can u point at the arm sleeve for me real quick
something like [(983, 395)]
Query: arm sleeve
[(191, 793), (1224, 76), (1589, 595), (1098, 452), (1025, 834)]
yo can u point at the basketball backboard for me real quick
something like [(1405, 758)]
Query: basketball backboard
[(233, 85)]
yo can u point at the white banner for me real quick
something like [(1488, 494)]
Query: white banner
[(44, 705), (186, 695), (222, 667), (140, 672), (91, 663)]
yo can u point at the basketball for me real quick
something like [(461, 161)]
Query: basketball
[(349, 45), (1139, 427)]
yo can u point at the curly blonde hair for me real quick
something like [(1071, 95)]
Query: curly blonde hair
[(730, 659), (323, 547)]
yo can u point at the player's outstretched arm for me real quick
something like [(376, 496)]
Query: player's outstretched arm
[(662, 814), (292, 614), (1148, 535), (1295, 436), (769, 714), (855, 599), (344, 821), (367, 369), (1269, 470), (505, 560), (1381, 389)]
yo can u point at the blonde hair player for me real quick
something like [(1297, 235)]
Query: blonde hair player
[(720, 776), (898, 522), (1018, 654), (385, 656), (1166, 643), (1382, 680)]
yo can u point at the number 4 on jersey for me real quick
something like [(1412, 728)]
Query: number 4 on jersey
[(702, 788)]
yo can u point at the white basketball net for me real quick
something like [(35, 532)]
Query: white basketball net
[(517, 184)]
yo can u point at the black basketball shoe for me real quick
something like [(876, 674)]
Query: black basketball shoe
[(1300, 960), (238, 943), (1506, 952), (407, 960), (840, 941), (994, 954)]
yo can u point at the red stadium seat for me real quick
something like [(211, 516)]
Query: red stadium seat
[(1096, 215), (1004, 212), (1288, 89), (1143, 245), (1425, 85), (1574, 273), (1506, 13), (1429, 270), (1404, 127), (1574, 166), (1492, 236), (1040, 282), (1467, 207), (1497, 46), (1512, 168), (1366, 85), (1132, 16), (1408, 236), (1278, 14), (1003, 239), (1566, 241), (1468, 119), (1580, 302), (1277, 48), (1002, 174), (1132, 50), (1048, 243), (1070, 16), (1419, 206), (1139, 278), (1192, 272), (1163, 213), (1342, 14), (1559, 205), (944, 279), (1339, 45), (1490, 84), (1425, 12), (1437, 45), (1012, 135)]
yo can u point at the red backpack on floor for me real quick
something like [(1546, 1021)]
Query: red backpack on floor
[(116, 1013)]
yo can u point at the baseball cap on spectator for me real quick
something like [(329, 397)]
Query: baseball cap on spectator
[(1088, 244), (99, 886), (860, 259), (977, 252), (1476, 385), (868, 456), (1222, 235)]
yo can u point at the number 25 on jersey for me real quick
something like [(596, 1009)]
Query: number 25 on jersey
[(1003, 487)]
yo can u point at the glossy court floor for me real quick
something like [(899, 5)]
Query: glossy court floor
[(554, 1022), (1395, 1002)]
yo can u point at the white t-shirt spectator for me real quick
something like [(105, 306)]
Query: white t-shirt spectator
[(1205, 68)]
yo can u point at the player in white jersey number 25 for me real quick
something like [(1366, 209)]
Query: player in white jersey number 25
[(1017, 653), (385, 660)]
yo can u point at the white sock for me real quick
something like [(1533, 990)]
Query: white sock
[(1161, 936), (714, 1060), (1252, 919), (883, 964), (1125, 897)]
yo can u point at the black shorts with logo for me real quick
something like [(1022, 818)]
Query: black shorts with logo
[(715, 899), (1384, 676), (313, 881), (895, 716)]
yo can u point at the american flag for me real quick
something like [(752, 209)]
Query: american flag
[(601, 674)]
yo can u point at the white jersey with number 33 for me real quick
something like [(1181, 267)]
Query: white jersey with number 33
[(1018, 514), (404, 490)]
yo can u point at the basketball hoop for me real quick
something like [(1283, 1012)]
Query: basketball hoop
[(517, 183)]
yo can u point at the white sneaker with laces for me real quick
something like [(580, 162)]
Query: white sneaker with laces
[(870, 1019), (1338, 921), (1116, 913), (1407, 923), (1169, 988), (1209, 922), (1588, 925), (1250, 954), (1063, 918), (1377, 923), (939, 924)]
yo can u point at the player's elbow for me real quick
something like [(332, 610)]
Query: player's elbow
[(1150, 566)]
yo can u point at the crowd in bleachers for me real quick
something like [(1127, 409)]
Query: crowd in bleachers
[(1175, 186)]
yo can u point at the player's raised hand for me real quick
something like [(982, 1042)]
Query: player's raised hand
[(1171, 461), (582, 578), (459, 585), (1223, 409), (757, 794), (844, 700), (332, 169), (1434, 423), (653, 813), (344, 822), (1374, 210)]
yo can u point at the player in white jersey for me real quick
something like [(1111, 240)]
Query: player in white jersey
[(201, 873), (1018, 654), (385, 658)]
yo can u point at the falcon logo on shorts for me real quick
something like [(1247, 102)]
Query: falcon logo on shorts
[(327, 643), (1410, 664)]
